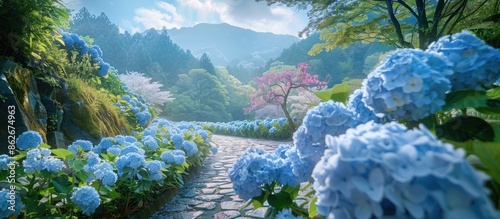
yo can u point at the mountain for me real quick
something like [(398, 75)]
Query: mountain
[(230, 45)]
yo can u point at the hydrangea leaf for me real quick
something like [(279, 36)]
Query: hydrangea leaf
[(259, 200), (463, 128), (489, 154), (312, 208), (63, 153), (494, 93), (465, 98), (280, 200), (339, 93), (62, 184)]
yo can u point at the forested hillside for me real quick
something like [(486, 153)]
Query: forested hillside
[(354, 61)]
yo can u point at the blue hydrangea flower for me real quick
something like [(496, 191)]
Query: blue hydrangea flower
[(29, 140), (475, 63), (272, 130), (86, 198), (5, 205), (130, 148), (5, 160), (132, 160), (203, 134), (409, 84), (190, 147), (115, 149), (103, 145), (284, 162), (253, 169), (103, 69), (92, 161), (287, 214), (331, 118), (385, 168), (83, 144), (104, 172), (39, 160), (150, 142), (362, 113), (174, 156), (154, 170), (214, 149)]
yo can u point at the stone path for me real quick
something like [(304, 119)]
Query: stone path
[(209, 194)]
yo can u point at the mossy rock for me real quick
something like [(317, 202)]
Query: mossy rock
[(92, 111)]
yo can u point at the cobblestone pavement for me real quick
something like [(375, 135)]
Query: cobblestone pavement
[(210, 193)]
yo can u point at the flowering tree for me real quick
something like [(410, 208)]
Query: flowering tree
[(143, 86), (275, 87)]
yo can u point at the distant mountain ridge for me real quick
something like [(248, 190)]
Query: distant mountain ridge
[(229, 45)]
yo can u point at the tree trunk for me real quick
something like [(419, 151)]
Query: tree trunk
[(287, 115)]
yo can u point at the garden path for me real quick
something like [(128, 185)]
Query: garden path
[(209, 194)]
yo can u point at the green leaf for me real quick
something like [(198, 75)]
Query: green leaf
[(339, 93), (489, 154), (293, 191), (312, 208), (463, 99), (78, 165), (464, 128), (280, 201), (259, 200), (62, 183), (494, 93), (63, 153)]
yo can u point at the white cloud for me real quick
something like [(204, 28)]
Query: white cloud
[(166, 16)]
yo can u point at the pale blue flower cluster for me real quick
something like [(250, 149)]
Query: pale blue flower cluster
[(177, 140), (154, 170), (5, 160), (5, 198), (257, 167), (71, 39), (362, 113), (132, 160), (273, 130), (330, 118), (29, 140), (86, 198), (174, 156), (475, 64), (190, 148), (253, 169), (84, 145), (138, 107), (409, 84), (256, 128), (214, 149), (150, 142), (378, 170), (104, 145), (38, 160), (287, 214), (104, 172)]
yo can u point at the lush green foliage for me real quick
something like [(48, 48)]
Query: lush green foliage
[(27, 27), (403, 23), (335, 65)]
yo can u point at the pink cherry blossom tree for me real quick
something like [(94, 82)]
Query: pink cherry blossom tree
[(275, 87)]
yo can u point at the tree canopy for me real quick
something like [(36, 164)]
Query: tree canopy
[(402, 23)]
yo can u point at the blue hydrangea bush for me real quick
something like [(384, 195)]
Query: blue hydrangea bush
[(113, 178), (268, 128), (420, 139)]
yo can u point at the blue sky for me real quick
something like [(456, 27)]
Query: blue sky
[(139, 15)]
